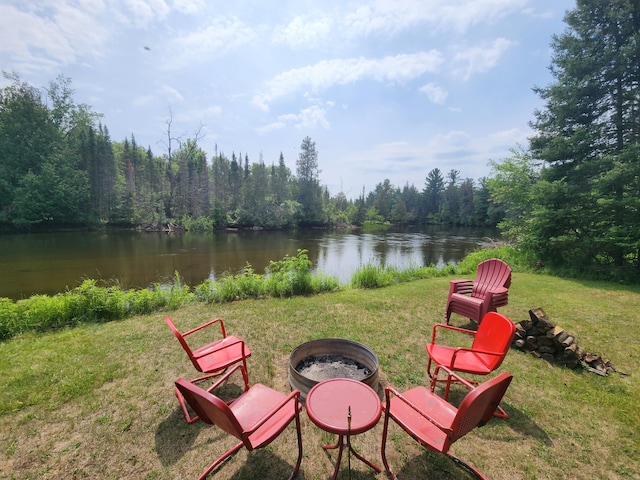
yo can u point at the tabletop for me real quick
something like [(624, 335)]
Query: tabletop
[(328, 404)]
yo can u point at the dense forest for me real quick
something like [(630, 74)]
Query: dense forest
[(59, 167), (570, 200)]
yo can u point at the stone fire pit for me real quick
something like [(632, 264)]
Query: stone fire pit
[(325, 358)]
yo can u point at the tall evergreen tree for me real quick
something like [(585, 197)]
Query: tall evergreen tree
[(309, 190), (588, 135), (433, 195)]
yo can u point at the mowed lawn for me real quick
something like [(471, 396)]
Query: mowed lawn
[(97, 401)]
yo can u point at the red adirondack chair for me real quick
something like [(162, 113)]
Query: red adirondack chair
[(256, 417), (490, 345), (474, 298), (436, 424), (211, 359)]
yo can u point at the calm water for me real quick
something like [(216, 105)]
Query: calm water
[(47, 263)]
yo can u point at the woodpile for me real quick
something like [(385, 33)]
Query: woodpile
[(553, 343)]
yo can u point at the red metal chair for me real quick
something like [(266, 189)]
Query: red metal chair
[(256, 417), (490, 290), (211, 359), (490, 345), (436, 424)]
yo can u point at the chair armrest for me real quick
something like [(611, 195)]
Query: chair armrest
[(460, 286), (207, 351), (457, 377), (293, 396), (205, 325), (388, 391), (225, 376), (499, 297), (471, 350), (449, 327)]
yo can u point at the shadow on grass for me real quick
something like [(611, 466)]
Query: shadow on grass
[(263, 463), (434, 466), (175, 437), (519, 422)]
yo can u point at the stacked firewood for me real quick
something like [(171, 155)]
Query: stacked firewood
[(543, 339), (546, 340)]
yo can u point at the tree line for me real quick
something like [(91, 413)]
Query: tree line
[(59, 167)]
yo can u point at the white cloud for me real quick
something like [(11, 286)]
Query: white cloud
[(263, 130), (143, 12), (392, 16), (308, 118), (47, 37), (328, 73), (214, 39), (434, 93), (189, 6), (304, 31), (171, 94), (480, 59)]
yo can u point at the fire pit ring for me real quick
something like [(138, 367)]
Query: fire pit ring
[(324, 358)]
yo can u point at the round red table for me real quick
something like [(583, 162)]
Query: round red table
[(344, 407)]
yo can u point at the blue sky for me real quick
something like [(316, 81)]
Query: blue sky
[(387, 89)]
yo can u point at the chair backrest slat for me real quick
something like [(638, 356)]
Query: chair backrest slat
[(492, 274), (479, 405), (210, 409)]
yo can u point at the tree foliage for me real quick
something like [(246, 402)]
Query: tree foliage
[(59, 166), (580, 211)]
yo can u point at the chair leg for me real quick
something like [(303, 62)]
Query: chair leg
[(183, 405), (500, 413), (467, 466), (383, 448), (296, 469), (220, 460)]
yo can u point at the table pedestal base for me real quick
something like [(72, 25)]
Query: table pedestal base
[(341, 446)]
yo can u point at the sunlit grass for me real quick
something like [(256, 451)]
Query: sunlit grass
[(97, 401)]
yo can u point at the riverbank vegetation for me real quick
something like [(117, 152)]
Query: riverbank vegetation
[(291, 276), (97, 400)]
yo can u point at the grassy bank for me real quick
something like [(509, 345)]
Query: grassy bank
[(96, 400)]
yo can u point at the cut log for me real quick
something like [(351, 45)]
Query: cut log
[(540, 319), (555, 331)]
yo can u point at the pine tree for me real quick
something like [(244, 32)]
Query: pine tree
[(588, 135)]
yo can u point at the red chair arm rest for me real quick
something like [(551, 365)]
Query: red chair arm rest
[(390, 390), (499, 297), (448, 327), (293, 396), (224, 347), (460, 286), (205, 325), (464, 349)]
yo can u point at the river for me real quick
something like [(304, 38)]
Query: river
[(47, 263)]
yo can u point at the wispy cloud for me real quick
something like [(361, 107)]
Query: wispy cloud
[(434, 93), (480, 59), (212, 40), (392, 16), (327, 73), (304, 31)]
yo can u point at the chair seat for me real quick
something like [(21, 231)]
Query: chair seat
[(465, 361), (215, 357), (419, 427), (254, 405)]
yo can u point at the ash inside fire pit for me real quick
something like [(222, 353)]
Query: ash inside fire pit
[(326, 358), (324, 367)]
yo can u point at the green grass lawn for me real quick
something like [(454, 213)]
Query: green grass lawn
[(97, 401)]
